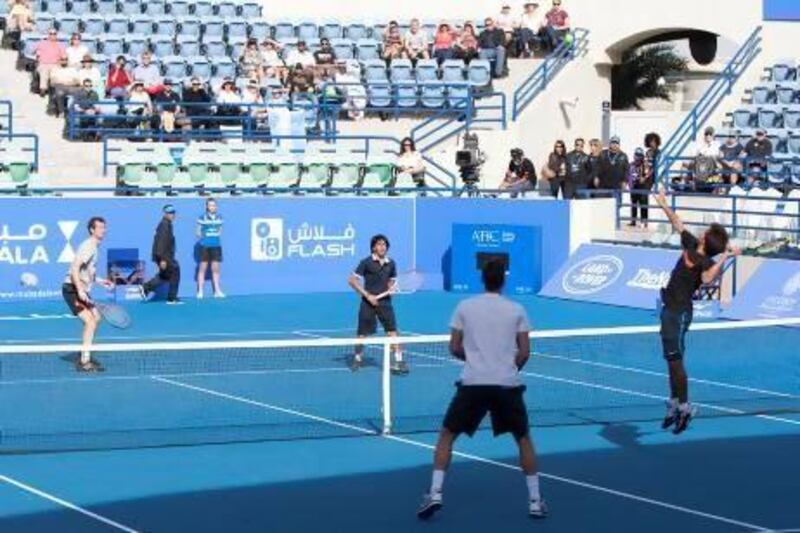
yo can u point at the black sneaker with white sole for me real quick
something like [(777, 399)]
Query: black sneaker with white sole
[(683, 419), (431, 504)]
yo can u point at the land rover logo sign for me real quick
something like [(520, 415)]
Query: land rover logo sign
[(592, 274)]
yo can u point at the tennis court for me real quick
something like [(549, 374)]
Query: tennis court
[(208, 422)]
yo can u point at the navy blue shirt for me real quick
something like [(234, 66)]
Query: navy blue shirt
[(687, 276), (376, 274)]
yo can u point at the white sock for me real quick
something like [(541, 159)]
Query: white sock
[(673, 404), (533, 486), (85, 357), (684, 407), (398, 356), (437, 482)]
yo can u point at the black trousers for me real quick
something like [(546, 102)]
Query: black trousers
[(171, 275), (639, 202)]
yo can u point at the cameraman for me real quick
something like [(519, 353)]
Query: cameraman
[(520, 176)]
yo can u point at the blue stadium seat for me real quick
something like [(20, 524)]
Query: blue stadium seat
[(113, 46), (260, 30), (213, 28), (457, 95), (332, 30), (786, 94), (791, 117), (742, 118), (106, 7), (784, 71), (356, 31), (794, 174), (283, 30), (80, 7), (453, 70), (224, 67), (216, 49), (226, 9), (780, 140), (155, 8), (479, 72), (288, 44), (162, 46), (190, 26), (344, 48), (401, 70), (174, 67), (769, 117), (407, 94), (90, 42), (367, 50), (236, 49), (136, 45), (130, 8), (427, 70), (251, 10), (776, 172), (29, 43), (94, 24), (375, 71), (166, 26), (307, 30), (56, 7), (432, 94), (763, 94), (236, 30), (200, 67), (379, 94), (117, 25), (202, 8), (377, 29), (189, 46), (179, 8), (142, 25), (69, 24), (44, 22)]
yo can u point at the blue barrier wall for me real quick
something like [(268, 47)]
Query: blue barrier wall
[(271, 245), (773, 291), (781, 10)]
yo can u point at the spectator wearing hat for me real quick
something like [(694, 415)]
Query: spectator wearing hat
[(85, 103), (466, 47), (507, 22), (416, 42), (556, 25), (252, 57), (168, 113), (64, 82), (48, 53), (756, 153), (492, 46), (119, 80), (139, 106), (271, 61), (149, 74), (301, 56), (89, 70), (526, 32), (639, 184), (255, 103), (198, 104), (730, 160), (229, 103), (163, 256), (520, 175)]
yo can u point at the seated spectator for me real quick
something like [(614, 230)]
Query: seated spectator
[(20, 17), (639, 185), (252, 98), (556, 26), (703, 166), (48, 53), (506, 22), (415, 42), (393, 43), (410, 163), (64, 82), (301, 56), (119, 80), (325, 55), (756, 153), (491, 44), (354, 93), (271, 57), (85, 103), (76, 50), (88, 70), (168, 114), (555, 170), (139, 107), (521, 174), (149, 74), (252, 57), (300, 80), (198, 106), (527, 31), (228, 103), (466, 47), (278, 97), (731, 155), (444, 43)]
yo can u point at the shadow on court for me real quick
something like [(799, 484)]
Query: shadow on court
[(748, 479)]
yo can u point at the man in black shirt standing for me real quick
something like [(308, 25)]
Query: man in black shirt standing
[(374, 279), (164, 257), (492, 46), (694, 268), (615, 166), (578, 170), (521, 174)]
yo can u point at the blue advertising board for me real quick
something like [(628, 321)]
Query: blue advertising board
[(781, 10), (773, 291), (518, 246)]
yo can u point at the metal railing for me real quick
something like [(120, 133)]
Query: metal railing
[(778, 172), (721, 87), (23, 144), (540, 78), (6, 118)]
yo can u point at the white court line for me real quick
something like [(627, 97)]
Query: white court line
[(68, 505), (367, 432), (663, 375)]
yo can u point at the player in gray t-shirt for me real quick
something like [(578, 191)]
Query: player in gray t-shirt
[(490, 334)]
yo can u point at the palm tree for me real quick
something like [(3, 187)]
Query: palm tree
[(641, 75)]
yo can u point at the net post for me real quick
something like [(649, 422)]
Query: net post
[(386, 402)]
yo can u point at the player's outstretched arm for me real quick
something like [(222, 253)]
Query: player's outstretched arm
[(674, 219), (714, 272)]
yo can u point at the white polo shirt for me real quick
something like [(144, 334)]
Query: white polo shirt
[(490, 324)]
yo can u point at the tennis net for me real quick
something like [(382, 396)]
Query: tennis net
[(172, 394)]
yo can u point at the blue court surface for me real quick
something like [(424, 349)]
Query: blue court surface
[(606, 464)]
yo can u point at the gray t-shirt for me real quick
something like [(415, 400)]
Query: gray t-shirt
[(490, 324), (86, 256)]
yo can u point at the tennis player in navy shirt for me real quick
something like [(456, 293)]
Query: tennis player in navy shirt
[(374, 279)]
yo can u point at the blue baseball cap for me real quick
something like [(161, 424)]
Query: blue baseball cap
[(169, 209)]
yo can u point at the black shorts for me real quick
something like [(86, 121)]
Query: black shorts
[(70, 294), (674, 325), (368, 317), (472, 402), (211, 254)]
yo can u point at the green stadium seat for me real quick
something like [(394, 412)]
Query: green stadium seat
[(284, 170), (318, 170), (348, 171), (379, 172)]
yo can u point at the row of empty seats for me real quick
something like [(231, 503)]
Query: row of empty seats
[(15, 166), (767, 116), (176, 8)]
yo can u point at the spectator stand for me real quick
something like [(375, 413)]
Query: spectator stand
[(553, 63), (282, 164), (19, 159), (721, 87), (6, 118)]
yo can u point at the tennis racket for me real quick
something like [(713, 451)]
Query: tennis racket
[(114, 314), (767, 248), (408, 283)]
